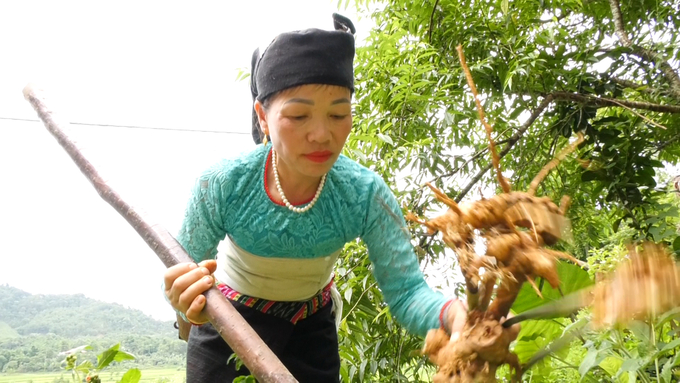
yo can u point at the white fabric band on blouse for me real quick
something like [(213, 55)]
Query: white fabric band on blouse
[(274, 279)]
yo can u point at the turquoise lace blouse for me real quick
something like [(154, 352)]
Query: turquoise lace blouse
[(230, 198)]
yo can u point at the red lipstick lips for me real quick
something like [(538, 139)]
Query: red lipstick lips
[(319, 157)]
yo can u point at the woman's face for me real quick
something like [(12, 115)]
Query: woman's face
[(308, 126)]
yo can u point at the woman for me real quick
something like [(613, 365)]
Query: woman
[(285, 211)]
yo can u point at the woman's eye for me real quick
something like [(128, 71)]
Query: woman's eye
[(339, 116), (298, 118)]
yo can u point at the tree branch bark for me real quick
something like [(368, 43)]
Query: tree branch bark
[(645, 54), (511, 142)]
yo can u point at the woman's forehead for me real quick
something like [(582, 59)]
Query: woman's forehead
[(312, 92)]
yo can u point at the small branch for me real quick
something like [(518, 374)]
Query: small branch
[(429, 33), (645, 54), (605, 101), (492, 144), (664, 144), (642, 88), (511, 142), (552, 164), (641, 116)]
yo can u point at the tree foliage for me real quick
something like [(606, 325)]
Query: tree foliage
[(545, 70)]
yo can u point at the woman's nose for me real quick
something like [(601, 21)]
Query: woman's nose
[(321, 130)]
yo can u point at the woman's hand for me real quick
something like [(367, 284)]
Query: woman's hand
[(456, 316), (184, 285)]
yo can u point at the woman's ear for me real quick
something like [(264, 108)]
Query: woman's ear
[(261, 117)]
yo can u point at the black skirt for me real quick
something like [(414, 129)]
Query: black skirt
[(309, 349)]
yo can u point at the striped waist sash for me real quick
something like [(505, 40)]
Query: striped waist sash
[(290, 311)]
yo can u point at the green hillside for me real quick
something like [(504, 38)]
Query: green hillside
[(34, 329), (7, 332)]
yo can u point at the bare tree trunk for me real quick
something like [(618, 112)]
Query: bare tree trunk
[(245, 342)]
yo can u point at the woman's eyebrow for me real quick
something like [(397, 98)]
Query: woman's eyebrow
[(340, 101), (300, 100)]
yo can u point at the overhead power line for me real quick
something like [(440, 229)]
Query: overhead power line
[(133, 126)]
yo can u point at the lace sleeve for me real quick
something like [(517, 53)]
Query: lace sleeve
[(203, 225), (412, 302)]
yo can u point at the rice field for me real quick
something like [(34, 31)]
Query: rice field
[(160, 375)]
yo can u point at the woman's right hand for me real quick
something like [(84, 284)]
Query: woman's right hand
[(184, 285)]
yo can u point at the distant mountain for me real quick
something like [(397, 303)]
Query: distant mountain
[(73, 316), (34, 329)]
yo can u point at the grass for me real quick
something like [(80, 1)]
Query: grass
[(159, 375)]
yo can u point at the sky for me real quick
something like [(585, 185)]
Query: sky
[(151, 93)]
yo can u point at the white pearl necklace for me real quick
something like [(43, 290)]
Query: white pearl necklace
[(283, 196)]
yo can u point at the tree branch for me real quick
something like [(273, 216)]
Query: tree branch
[(429, 34), (661, 146), (604, 102), (645, 54), (642, 88), (565, 96), (618, 23), (511, 142)]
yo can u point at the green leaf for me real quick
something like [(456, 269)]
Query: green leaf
[(348, 294), (360, 155), (113, 354), (532, 329), (667, 371), (631, 365), (641, 330), (673, 344), (132, 375), (668, 315), (386, 138), (85, 367), (593, 358), (612, 364), (590, 176), (676, 244), (245, 379), (534, 336), (572, 278)]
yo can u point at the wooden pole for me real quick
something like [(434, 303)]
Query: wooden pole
[(245, 342)]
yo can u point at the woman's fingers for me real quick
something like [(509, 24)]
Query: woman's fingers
[(185, 281), (195, 311), (209, 264), (172, 273), (189, 295)]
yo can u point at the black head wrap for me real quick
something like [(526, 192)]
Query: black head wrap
[(311, 56)]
